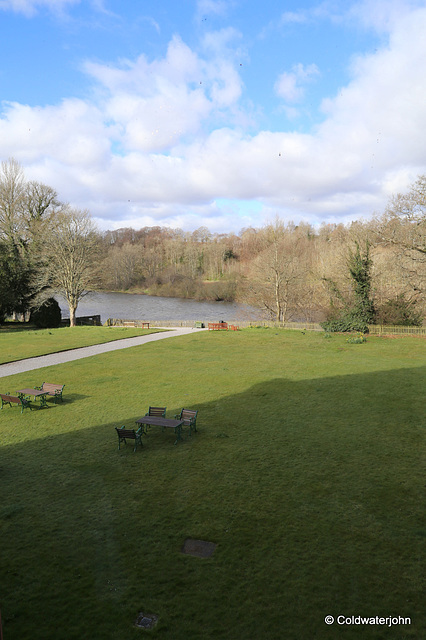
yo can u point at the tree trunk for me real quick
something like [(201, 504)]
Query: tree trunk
[(278, 311), (73, 309)]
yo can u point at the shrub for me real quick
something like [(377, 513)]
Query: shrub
[(346, 321), (48, 315), (399, 311)]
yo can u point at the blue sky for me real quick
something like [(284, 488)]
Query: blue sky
[(217, 113)]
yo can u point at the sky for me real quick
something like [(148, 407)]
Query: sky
[(215, 113)]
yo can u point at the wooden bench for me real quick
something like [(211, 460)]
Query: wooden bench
[(234, 327), (136, 323), (6, 398), (129, 434), (157, 411), (189, 419), (217, 326), (54, 390)]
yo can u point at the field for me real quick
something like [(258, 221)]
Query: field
[(307, 472), (17, 344)]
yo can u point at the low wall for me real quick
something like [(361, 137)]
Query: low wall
[(84, 320)]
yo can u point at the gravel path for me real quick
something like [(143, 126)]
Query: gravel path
[(29, 364)]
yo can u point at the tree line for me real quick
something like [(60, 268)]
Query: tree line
[(347, 276)]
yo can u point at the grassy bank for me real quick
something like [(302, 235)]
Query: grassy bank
[(306, 472), (16, 343)]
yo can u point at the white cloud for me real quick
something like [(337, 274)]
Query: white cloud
[(291, 86), (154, 146), (293, 17), (211, 8), (72, 133), (328, 10), (381, 15), (30, 7), (157, 104)]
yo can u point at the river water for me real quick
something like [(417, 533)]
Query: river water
[(128, 306)]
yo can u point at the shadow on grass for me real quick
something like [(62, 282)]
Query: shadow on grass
[(71, 397), (311, 490)]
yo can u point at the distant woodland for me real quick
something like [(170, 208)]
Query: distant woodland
[(288, 270), (371, 271)]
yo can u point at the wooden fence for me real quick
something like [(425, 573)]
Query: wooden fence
[(382, 330), (243, 324), (308, 326)]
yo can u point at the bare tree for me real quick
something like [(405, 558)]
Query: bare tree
[(277, 276), (123, 267), (40, 204), (403, 227), (71, 252), (12, 198)]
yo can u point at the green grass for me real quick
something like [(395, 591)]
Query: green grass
[(17, 344), (306, 471)]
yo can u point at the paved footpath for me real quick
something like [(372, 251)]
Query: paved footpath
[(29, 364)]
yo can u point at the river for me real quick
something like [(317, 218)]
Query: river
[(128, 306)]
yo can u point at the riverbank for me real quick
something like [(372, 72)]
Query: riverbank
[(188, 289), (138, 306)]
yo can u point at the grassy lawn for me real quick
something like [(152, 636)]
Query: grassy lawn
[(17, 344), (306, 472)]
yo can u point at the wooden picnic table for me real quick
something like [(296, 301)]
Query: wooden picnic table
[(36, 394), (166, 423)]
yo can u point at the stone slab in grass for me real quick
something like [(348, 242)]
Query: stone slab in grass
[(146, 620), (198, 548)]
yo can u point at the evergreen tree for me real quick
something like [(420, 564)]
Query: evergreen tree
[(358, 312), (359, 267), (15, 279)]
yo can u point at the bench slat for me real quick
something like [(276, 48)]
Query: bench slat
[(6, 398), (129, 434), (52, 389)]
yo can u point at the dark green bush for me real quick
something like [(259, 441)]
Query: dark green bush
[(346, 320), (48, 315)]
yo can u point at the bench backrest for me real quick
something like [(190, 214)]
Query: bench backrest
[(49, 386), (126, 433), (157, 411), (6, 398), (188, 414)]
